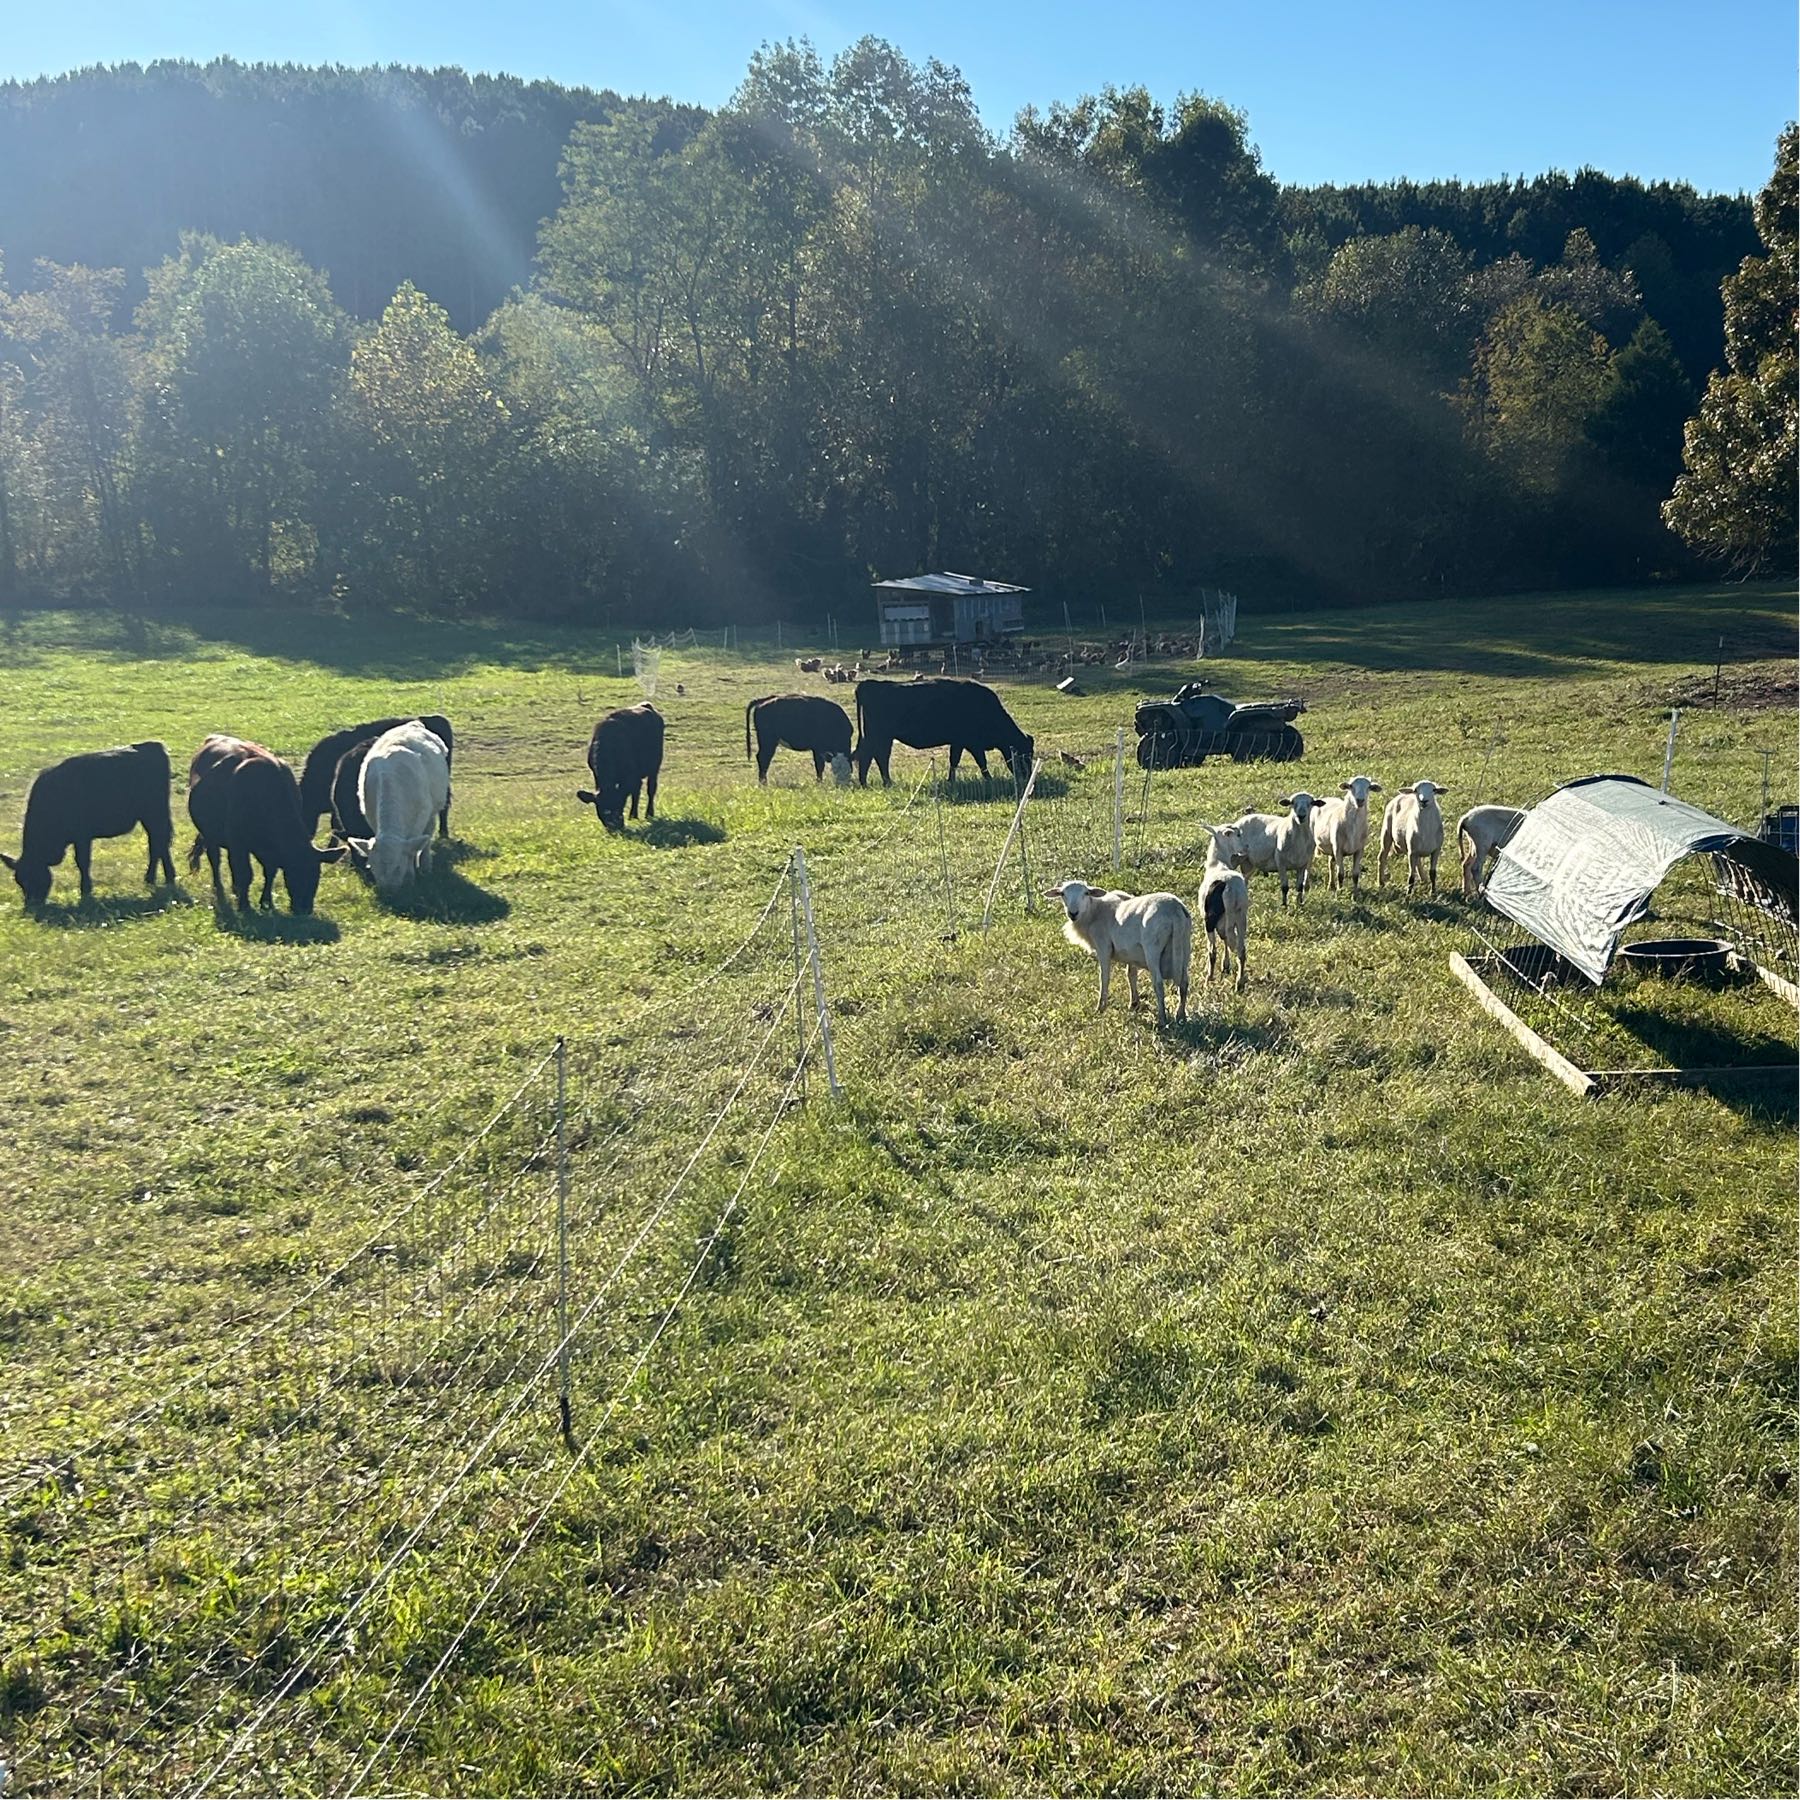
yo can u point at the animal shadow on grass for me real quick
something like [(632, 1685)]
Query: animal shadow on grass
[(677, 834), (1207, 1030), (1690, 1044), (445, 896), (259, 927), (98, 913)]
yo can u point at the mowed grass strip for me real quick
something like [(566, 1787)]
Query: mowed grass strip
[(1315, 1398)]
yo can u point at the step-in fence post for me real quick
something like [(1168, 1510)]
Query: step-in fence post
[(1669, 753), (937, 804), (1012, 831), (799, 1003), (564, 1402), (818, 975), (1118, 846)]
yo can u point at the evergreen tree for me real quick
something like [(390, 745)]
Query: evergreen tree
[(1736, 497)]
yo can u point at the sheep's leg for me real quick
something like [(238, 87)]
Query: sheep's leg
[(1181, 988), (1300, 880), (1284, 888), (1434, 861), (1156, 988), (1131, 982), (1243, 966), (1105, 962), (1212, 958)]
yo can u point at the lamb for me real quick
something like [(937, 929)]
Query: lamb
[(405, 781), (1280, 846), (1225, 901), (1154, 932), (1341, 828), (1413, 826), (1479, 834)]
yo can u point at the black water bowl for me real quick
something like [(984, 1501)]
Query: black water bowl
[(1691, 959)]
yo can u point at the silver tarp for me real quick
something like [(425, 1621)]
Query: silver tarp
[(1586, 861)]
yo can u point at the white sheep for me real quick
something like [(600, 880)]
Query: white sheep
[(1412, 825), (1225, 901), (1280, 844), (1153, 932), (1341, 828), (404, 786), (1479, 834)]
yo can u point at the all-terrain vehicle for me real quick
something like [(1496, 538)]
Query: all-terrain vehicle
[(1185, 731)]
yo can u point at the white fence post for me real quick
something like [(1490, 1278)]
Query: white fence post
[(812, 946), (1012, 831), (564, 1406), (1669, 753), (1119, 800)]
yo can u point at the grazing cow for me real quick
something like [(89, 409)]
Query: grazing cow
[(801, 722), (625, 752), (405, 780), (932, 710), (322, 761), (101, 793), (245, 801)]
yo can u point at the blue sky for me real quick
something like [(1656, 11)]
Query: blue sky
[(1694, 91)]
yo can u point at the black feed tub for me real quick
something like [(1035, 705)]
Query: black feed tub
[(1693, 959)]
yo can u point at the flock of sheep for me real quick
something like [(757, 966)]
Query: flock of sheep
[(1155, 932)]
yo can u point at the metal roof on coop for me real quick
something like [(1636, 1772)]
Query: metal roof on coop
[(947, 608)]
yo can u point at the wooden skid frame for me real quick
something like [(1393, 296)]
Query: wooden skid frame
[(1590, 1082)]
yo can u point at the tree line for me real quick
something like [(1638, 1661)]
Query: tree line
[(632, 356)]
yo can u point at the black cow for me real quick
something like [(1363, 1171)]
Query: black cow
[(323, 758), (245, 801), (625, 750), (101, 793), (348, 820), (934, 710), (801, 722)]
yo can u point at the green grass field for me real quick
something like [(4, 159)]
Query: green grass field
[(1313, 1398)]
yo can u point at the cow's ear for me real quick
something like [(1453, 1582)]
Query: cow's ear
[(332, 853), (362, 846), (12, 862), (586, 798)]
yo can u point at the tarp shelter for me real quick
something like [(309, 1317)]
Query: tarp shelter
[(947, 609), (1585, 862)]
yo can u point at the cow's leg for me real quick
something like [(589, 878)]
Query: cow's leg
[(650, 796), (84, 850), (241, 874), (267, 899), (212, 856), (765, 754), (637, 787), (883, 757), (818, 765), (956, 751), (980, 757)]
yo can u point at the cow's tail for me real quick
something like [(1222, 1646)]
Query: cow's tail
[(196, 850), (748, 710), (859, 713)]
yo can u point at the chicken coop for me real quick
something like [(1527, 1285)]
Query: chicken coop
[(1642, 939), (928, 612)]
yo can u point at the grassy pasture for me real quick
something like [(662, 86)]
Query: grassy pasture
[(1314, 1398)]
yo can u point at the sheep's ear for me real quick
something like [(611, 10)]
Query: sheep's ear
[(1284, 799), (1345, 786), (1440, 787), (1375, 787)]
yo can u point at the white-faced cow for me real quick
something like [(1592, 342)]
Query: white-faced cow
[(404, 783), (245, 802), (932, 711), (624, 754), (323, 759), (101, 793), (800, 722)]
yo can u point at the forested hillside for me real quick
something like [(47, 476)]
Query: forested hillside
[(451, 342)]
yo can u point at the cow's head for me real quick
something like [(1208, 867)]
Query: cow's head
[(608, 802), (1018, 758), (389, 860), (302, 876), (33, 878)]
